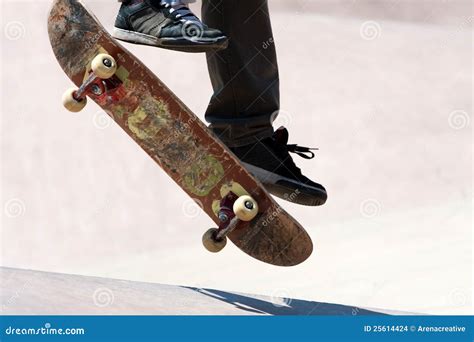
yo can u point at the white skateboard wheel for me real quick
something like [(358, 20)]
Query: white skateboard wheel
[(104, 66), (245, 208), (210, 243), (70, 103)]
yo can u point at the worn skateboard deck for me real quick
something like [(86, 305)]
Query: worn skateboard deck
[(173, 136)]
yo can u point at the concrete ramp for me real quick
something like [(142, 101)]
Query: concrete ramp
[(25, 292)]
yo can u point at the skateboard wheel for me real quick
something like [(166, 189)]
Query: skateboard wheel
[(210, 243), (245, 208), (70, 103), (104, 66)]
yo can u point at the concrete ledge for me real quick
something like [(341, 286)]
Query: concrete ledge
[(25, 292)]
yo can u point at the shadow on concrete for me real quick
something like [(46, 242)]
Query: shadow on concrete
[(283, 306)]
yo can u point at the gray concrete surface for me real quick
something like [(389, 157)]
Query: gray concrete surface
[(383, 92), (26, 292)]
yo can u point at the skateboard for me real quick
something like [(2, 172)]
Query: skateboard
[(174, 137)]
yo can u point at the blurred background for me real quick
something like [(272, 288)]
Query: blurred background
[(383, 88)]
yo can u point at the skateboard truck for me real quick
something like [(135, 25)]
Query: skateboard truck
[(103, 67), (232, 210)]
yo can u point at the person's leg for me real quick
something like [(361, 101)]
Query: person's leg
[(245, 75), (246, 100), (168, 24)]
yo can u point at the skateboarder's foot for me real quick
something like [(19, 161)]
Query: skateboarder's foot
[(270, 162), (156, 23)]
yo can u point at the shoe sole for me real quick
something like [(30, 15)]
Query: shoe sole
[(181, 44), (288, 189)]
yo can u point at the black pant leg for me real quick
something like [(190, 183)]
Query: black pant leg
[(245, 75)]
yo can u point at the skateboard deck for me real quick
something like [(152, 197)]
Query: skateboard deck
[(175, 138)]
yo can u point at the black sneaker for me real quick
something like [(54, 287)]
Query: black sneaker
[(270, 162), (151, 22)]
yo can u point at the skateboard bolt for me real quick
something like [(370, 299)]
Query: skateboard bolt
[(223, 217), (107, 62), (96, 90), (248, 205)]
